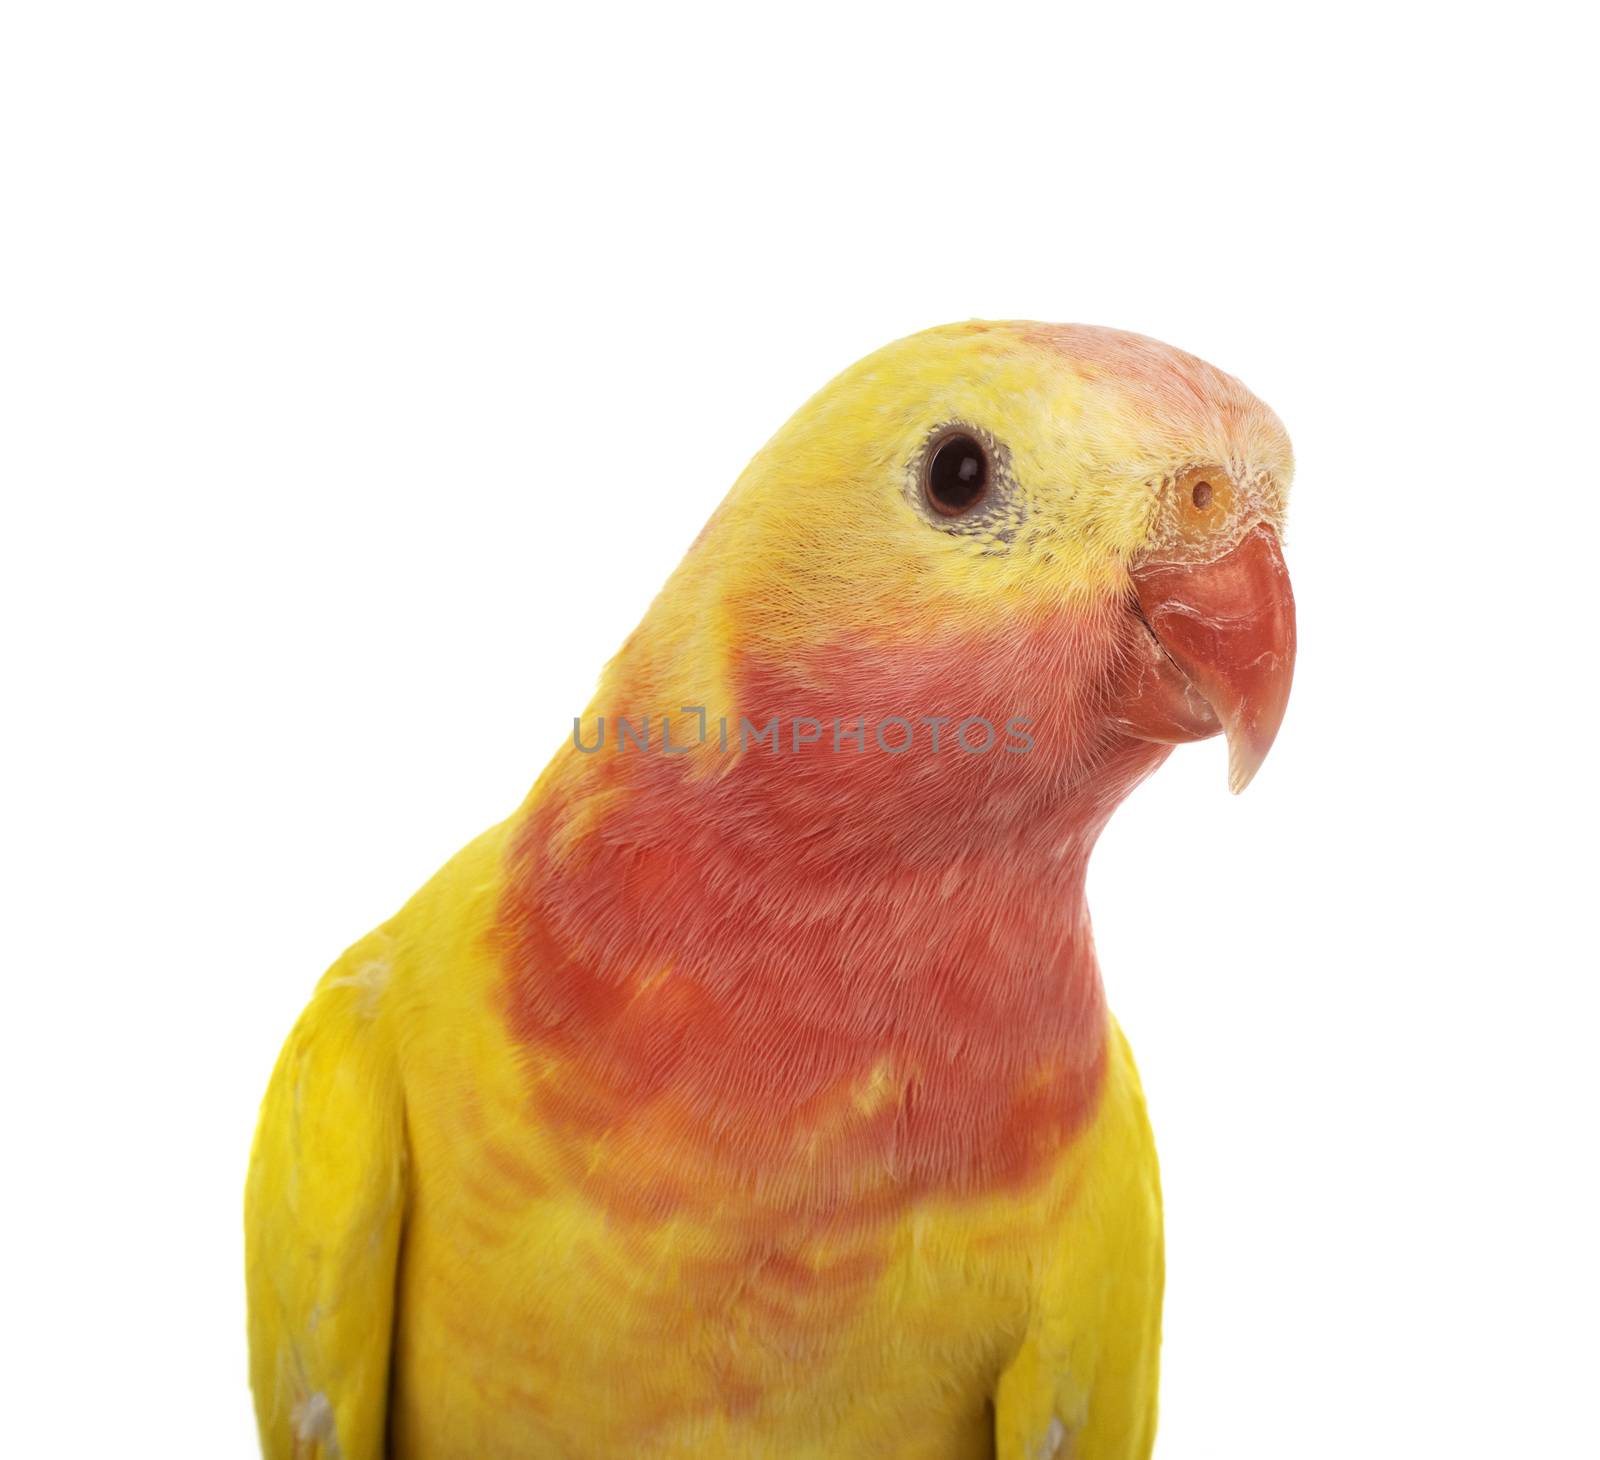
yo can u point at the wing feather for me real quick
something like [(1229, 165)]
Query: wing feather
[(324, 1206)]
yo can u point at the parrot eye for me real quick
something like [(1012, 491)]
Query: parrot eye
[(956, 475), (1201, 495)]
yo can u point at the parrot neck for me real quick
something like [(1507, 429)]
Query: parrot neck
[(928, 996), (818, 964)]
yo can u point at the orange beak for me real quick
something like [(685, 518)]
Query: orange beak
[(1225, 630)]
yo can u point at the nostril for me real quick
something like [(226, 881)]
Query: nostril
[(1202, 494)]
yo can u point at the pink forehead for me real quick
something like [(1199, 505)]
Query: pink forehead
[(1181, 387)]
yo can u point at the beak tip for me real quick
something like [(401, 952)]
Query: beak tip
[(1243, 763)]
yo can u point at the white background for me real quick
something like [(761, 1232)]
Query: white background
[(365, 370)]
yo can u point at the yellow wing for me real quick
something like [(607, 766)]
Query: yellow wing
[(1083, 1385), (323, 1210)]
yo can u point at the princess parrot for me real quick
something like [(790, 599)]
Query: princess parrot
[(751, 1091)]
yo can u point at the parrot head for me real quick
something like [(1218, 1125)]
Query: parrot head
[(1071, 529)]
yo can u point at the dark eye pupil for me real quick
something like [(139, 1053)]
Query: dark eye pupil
[(958, 472)]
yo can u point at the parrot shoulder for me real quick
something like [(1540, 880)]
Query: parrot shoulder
[(324, 1204)]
